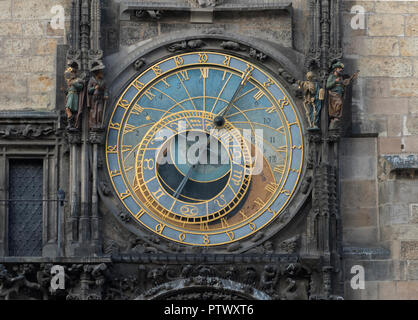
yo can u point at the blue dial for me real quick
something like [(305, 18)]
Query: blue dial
[(253, 148)]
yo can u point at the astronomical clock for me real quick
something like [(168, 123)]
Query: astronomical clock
[(205, 148)]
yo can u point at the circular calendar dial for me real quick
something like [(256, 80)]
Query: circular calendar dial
[(204, 148)]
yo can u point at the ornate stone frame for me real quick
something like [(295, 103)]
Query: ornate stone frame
[(271, 57)]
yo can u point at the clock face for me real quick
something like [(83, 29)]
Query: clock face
[(205, 148)]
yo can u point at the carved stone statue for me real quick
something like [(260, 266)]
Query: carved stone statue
[(313, 97), (75, 98), (97, 97), (336, 85), (208, 3)]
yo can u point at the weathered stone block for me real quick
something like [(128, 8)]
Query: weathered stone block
[(389, 145), (412, 270), (13, 83), (16, 47), (5, 9), (411, 25), (407, 87), (396, 7), (386, 25), (10, 29), (359, 217), (46, 46), (387, 290), (356, 147), (347, 5), (358, 168), (372, 46), (358, 194), (409, 250), (41, 83), (410, 125), (36, 9), (369, 293), (375, 270), (413, 105), (33, 28), (386, 67), (51, 32), (414, 213), (394, 126), (411, 144), (409, 46), (34, 64), (374, 87), (391, 214), (360, 236), (407, 290), (387, 106)]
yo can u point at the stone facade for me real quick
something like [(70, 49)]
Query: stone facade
[(28, 54), (378, 158), (385, 105)]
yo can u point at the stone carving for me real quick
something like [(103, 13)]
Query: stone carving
[(104, 188), (15, 285), (231, 45), (287, 76), (97, 97), (74, 98), (265, 248), (336, 93), (28, 131), (153, 14), (184, 45), (290, 245), (89, 281), (257, 55), (125, 217), (208, 3), (138, 64), (313, 97)]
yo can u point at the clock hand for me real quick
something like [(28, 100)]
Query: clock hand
[(220, 118), (186, 178), (183, 182)]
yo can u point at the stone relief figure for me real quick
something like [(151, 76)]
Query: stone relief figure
[(75, 97), (208, 3), (313, 97), (97, 97), (336, 85)]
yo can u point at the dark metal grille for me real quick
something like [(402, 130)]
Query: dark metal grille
[(25, 207)]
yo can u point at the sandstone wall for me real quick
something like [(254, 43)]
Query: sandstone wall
[(379, 205), (28, 53)]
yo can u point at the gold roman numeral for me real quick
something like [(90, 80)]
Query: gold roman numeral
[(272, 187), (184, 75), (258, 95), (271, 109), (204, 73), (224, 223), (158, 194), (140, 214), (259, 202), (167, 85), (279, 169), (138, 85), (149, 95)]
